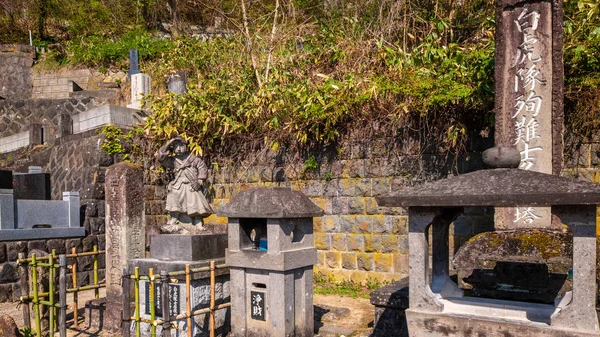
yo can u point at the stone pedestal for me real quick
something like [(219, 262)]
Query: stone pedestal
[(181, 247), (172, 252), (125, 233)]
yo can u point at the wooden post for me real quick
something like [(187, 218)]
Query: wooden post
[(211, 322), (75, 297), (25, 290), (136, 285), (62, 294), (166, 310), (188, 302), (126, 306)]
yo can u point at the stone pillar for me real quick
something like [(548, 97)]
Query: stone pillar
[(441, 284), (580, 313), (140, 86), (421, 297), (529, 94), (125, 232)]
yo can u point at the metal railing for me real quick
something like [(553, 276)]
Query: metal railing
[(164, 279), (57, 306)]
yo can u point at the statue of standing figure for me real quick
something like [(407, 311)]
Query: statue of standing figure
[(186, 203)]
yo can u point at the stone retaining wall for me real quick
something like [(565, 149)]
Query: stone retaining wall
[(15, 67), (60, 84), (53, 115)]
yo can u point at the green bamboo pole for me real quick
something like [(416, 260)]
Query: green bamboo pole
[(55, 267), (36, 302), (70, 290), (96, 291), (152, 303), (51, 292), (136, 285), (24, 267)]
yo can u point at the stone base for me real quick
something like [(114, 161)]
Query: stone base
[(390, 304), (113, 317), (94, 313), (200, 296), (183, 247), (424, 324)]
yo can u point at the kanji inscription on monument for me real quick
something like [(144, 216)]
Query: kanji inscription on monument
[(529, 113), (257, 305), (174, 296)]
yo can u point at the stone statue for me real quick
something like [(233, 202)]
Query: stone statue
[(185, 201)]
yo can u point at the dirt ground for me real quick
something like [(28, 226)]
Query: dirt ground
[(359, 317)]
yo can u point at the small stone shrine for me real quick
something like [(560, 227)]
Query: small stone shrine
[(437, 307), (271, 255)]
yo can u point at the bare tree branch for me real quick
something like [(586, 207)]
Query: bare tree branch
[(249, 44), (273, 30)]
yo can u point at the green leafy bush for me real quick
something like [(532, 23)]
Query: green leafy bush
[(103, 51)]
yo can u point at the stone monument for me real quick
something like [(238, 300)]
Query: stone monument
[(529, 94), (186, 203), (177, 82), (140, 87), (125, 233)]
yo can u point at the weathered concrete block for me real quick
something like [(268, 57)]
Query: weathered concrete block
[(322, 241), (349, 261), (389, 243), (383, 262), (356, 206), (364, 261), (338, 242), (355, 242), (372, 243), (333, 259)]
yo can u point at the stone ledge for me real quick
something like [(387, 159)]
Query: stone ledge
[(41, 233)]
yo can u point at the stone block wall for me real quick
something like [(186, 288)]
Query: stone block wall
[(15, 67), (356, 239), (59, 84)]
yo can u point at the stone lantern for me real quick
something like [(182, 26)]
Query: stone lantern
[(437, 306), (271, 256)]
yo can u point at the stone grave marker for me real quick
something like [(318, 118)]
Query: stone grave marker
[(177, 82), (140, 86), (133, 62), (529, 94), (125, 232)]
